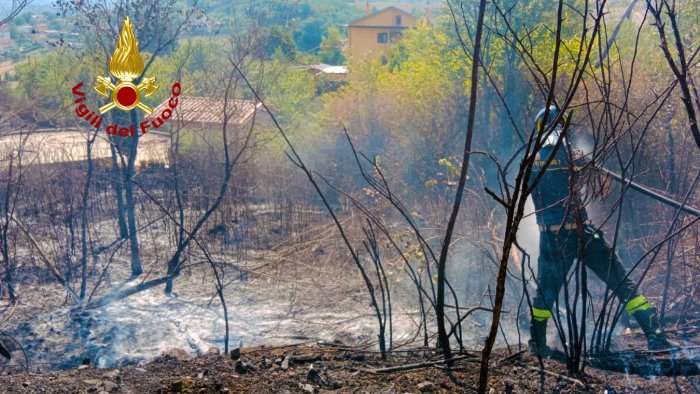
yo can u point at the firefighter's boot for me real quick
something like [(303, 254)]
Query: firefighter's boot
[(648, 319), (538, 338)]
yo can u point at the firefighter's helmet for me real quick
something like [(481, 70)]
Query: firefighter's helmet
[(553, 112)]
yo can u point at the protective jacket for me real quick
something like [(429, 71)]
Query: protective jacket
[(557, 195)]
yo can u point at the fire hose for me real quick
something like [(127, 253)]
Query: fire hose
[(635, 186), (648, 192)]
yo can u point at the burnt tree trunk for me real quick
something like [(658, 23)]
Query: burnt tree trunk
[(130, 207)]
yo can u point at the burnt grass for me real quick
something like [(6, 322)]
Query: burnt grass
[(333, 368)]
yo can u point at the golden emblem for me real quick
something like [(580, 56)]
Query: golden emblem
[(126, 64)]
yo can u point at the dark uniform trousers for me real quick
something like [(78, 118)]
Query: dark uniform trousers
[(558, 251)]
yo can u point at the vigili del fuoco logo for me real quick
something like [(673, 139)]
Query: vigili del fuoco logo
[(125, 65)]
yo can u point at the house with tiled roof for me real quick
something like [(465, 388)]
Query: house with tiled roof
[(208, 112), (198, 121)]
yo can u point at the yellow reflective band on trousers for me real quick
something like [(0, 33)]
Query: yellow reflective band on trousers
[(541, 314), (636, 304)]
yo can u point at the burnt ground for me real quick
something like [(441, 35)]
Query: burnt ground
[(275, 305), (325, 368), (329, 367)]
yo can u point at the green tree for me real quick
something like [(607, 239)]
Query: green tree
[(305, 20), (43, 82), (291, 92), (332, 47), (279, 40), (309, 36), (14, 32), (425, 80)]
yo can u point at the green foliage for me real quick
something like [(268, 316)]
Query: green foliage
[(291, 92), (332, 47), (309, 35), (197, 63), (14, 32), (305, 21), (22, 19), (409, 111), (46, 82), (279, 43)]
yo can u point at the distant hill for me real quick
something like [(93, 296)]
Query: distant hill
[(40, 5)]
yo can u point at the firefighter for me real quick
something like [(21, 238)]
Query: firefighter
[(557, 212)]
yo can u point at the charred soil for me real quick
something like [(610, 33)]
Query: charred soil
[(335, 368)]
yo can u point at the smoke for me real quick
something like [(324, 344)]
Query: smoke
[(528, 233)]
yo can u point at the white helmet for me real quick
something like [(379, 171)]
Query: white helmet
[(554, 135)]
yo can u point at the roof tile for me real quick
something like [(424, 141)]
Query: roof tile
[(209, 110)]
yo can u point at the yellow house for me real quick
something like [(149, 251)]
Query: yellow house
[(373, 35)]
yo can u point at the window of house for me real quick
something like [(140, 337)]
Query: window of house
[(382, 38), (385, 60), (395, 36), (398, 20)]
